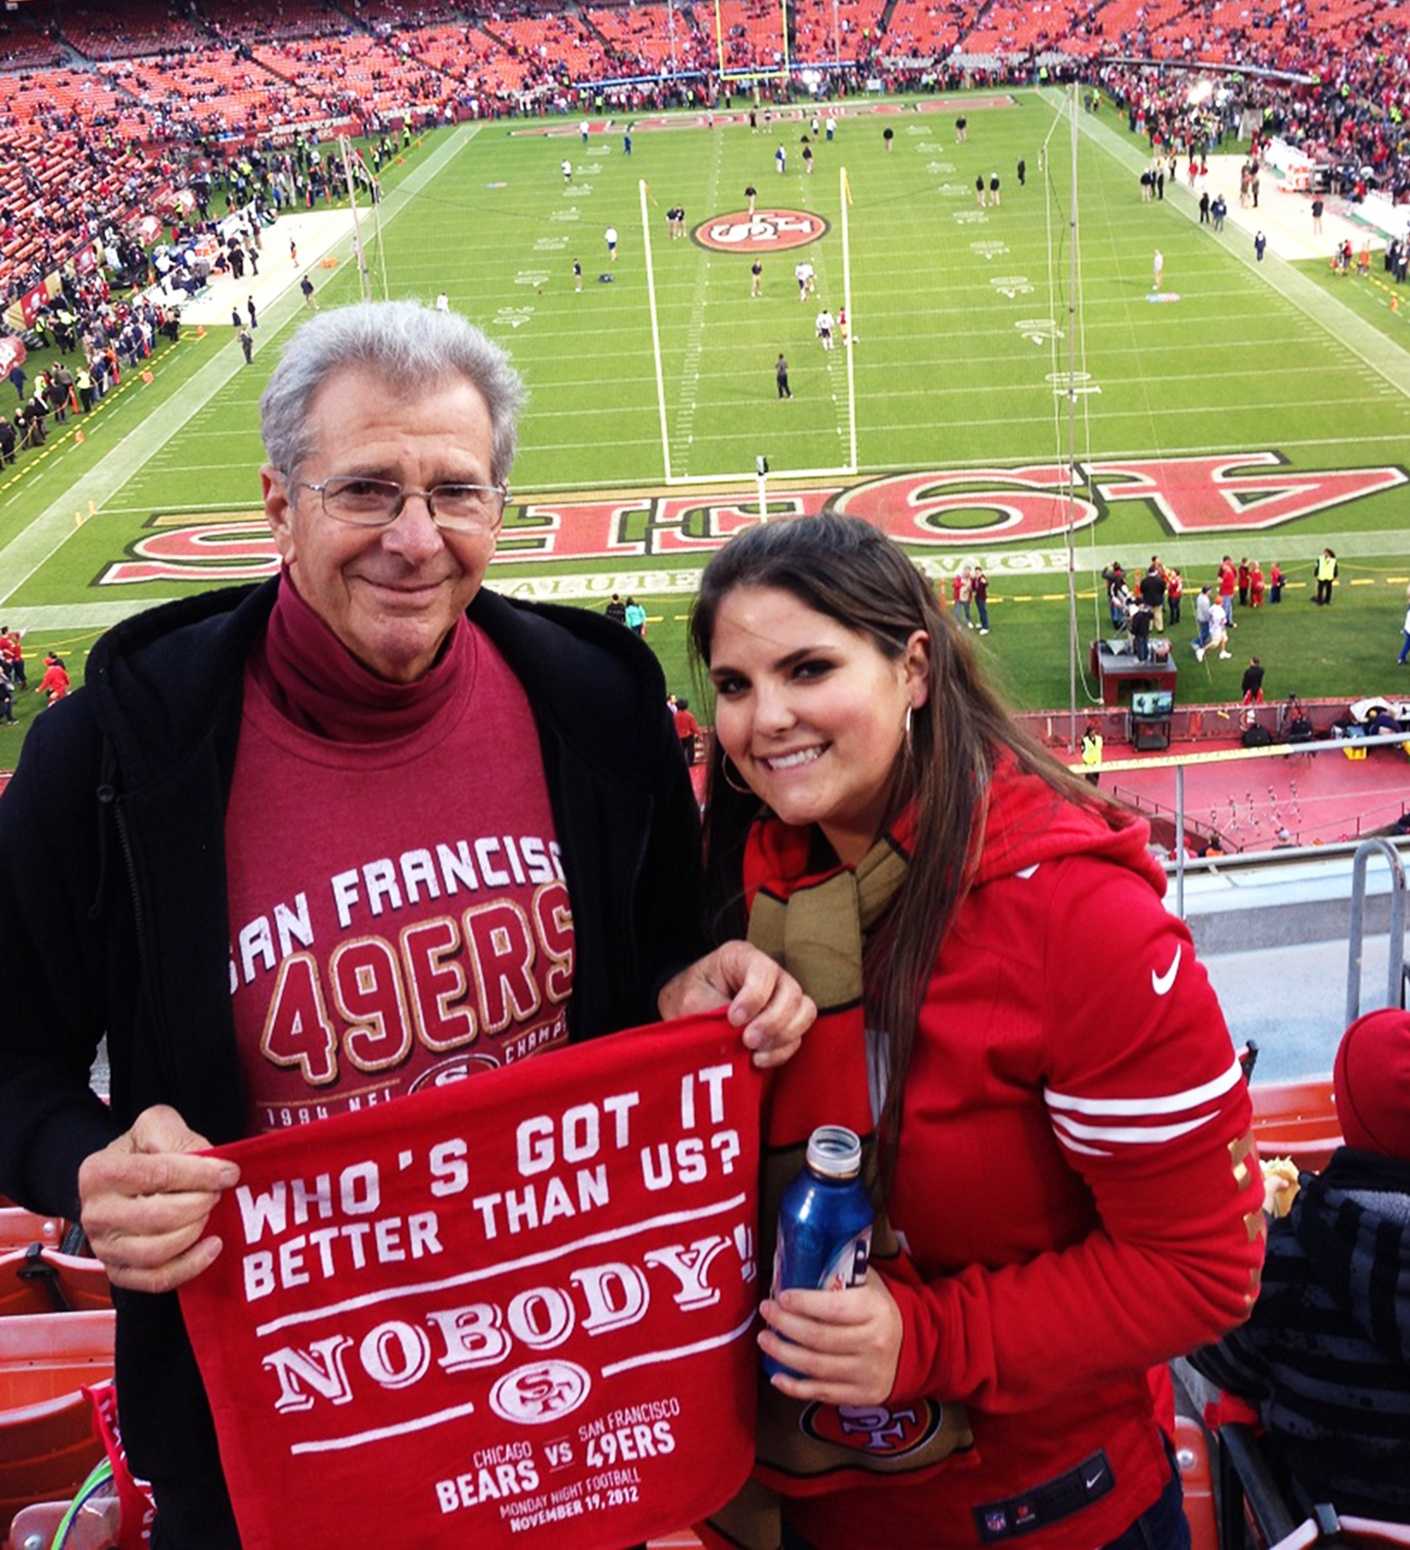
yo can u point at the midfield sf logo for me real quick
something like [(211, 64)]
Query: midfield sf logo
[(766, 231)]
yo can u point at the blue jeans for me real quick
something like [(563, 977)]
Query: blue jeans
[(1404, 646), (1162, 1526)]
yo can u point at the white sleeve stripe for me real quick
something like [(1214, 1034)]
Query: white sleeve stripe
[(1076, 1146), (1145, 1135), (1171, 1103)]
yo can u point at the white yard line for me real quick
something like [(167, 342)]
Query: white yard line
[(683, 435), (965, 391)]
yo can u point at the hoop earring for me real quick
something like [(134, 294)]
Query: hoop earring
[(744, 790), (910, 742)]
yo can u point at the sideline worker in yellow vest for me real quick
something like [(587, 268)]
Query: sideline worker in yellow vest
[(1092, 753), (1326, 575)]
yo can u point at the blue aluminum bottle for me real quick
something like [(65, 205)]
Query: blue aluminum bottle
[(824, 1222)]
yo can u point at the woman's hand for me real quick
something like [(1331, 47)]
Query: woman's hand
[(845, 1344), (765, 1001)]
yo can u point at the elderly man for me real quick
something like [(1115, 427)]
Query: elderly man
[(310, 845)]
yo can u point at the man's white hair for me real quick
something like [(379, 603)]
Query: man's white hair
[(410, 347)]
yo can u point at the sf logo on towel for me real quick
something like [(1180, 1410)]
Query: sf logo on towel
[(539, 1392)]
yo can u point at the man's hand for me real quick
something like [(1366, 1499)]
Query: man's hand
[(145, 1201), (846, 1344), (763, 1000)]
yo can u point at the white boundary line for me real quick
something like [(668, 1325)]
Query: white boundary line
[(241, 504), (655, 330)]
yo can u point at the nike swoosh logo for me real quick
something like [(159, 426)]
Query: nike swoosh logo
[(1161, 983), (1090, 1483)]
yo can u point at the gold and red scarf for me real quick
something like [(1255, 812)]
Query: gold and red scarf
[(814, 923)]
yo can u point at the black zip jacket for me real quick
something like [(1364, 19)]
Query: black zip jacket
[(113, 909)]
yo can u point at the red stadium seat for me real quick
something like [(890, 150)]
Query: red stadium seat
[(1197, 1482), (19, 1228), (1297, 1120), (42, 1280), (47, 1444)]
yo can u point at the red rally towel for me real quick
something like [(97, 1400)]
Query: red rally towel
[(514, 1310)]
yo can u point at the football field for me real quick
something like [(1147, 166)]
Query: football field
[(1238, 408)]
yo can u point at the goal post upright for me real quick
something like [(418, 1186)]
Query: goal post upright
[(849, 345), (644, 193)]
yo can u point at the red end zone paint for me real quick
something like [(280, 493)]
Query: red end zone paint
[(964, 104), (1253, 491), (722, 118), (766, 231)]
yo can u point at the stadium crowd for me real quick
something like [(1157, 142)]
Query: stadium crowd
[(123, 125), (98, 336)]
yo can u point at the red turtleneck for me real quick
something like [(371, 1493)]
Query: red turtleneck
[(397, 907), (315, 682)]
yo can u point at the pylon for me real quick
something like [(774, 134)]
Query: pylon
[(78, 438), (148, 378), (1395, 304)]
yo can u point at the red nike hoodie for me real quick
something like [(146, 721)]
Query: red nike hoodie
[(1075, 1183)]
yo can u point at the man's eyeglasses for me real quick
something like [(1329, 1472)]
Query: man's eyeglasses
[(456, 507)]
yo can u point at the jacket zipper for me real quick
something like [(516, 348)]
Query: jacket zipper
[(635, 880), (107, 795)]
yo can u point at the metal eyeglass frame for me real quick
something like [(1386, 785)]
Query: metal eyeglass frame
[(403, 495)]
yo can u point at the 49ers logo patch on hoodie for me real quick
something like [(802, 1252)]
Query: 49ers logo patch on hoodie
[(875, 1429)]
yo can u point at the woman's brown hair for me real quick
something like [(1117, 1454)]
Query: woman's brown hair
[(845, 569)]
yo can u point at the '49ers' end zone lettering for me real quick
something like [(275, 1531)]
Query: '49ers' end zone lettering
[(941, 509)]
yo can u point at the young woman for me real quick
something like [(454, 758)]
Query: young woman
[(1062, 1125), (1174, 591)]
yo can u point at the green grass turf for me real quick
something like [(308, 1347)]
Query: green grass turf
[(1377, 298), (944, 376)]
